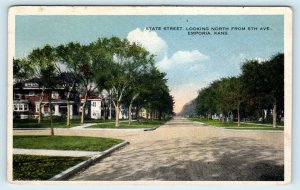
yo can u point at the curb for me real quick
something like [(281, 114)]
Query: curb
[(17, 129), (112, 129), (248, 130), (151, 129), (253, 130), (21, 129), (71, 171), (245, 130)]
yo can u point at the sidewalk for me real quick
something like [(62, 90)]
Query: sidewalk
[(260, 124), (44, 152), (91, 124), (83, 126)]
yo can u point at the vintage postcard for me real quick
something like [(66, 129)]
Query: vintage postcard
[(149, 95)]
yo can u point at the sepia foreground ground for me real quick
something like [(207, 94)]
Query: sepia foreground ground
[(186, 150)]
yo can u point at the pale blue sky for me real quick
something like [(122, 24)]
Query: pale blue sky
[(211, 57)]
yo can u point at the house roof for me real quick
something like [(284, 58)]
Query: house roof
[(91, 97), (61, 79), (21, 101)]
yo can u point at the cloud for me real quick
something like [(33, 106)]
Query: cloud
[(259, 59), (183, 58), (183, 67), (157, 46), (149, 40)]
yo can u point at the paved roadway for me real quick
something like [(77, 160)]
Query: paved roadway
[(184, 150)]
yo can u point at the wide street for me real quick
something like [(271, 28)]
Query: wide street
[(186, 150)]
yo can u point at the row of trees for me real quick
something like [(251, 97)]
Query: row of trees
[(126, 71), (259, 87)]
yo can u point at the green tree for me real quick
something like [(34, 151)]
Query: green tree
[(22, 70), (266, 80), (153, 94), (43, 61), (146, 84), (231, 94), (72, 56), (123, 62), (209, 100), (84, 72)]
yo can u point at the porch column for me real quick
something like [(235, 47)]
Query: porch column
[(56, 110), (100, 109)]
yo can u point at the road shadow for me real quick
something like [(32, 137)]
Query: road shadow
[(214, 159)]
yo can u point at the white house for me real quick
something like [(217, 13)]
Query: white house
[(93, 108)]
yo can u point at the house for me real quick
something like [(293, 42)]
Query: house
[(123, 112), (97, 107), (93, 107), (29, 94)]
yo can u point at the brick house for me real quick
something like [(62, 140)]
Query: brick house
[(27, 97)]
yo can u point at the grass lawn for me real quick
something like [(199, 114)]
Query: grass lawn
[(28, 167), (234, 125), (57, 123), (64, 142), (133, 125)]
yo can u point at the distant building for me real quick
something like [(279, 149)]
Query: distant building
[(123, 112), (96, 108)]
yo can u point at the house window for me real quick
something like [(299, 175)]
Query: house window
[(21, 107), (31, 93), (17, 96), (54, 95), (94, 104), (25, 107)]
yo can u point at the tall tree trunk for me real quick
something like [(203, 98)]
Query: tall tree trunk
[(130, 108), (263, 116), (137, 114), (147, 114), (68, 105), (274, 114), (238, 113), (40, 108), (129, 114), (104, 112), (159, 114), (50, 108), (117, 110), (68, 109), (83, 109), (68, 113), (222, 117), (40, 113)]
